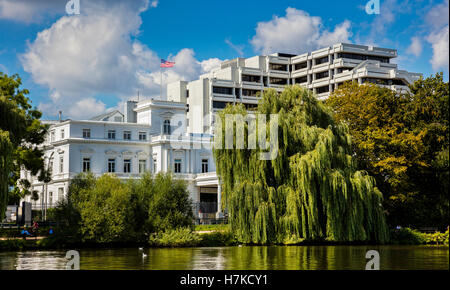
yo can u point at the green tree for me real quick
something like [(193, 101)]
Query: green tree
[(107, 209), (402, 140), (20, 134), (311, 190)]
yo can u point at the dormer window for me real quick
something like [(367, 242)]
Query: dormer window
[(167, 127)]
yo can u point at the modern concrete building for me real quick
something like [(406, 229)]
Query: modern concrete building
[(244, 79)]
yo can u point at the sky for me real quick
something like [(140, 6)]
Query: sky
[(88, 63)]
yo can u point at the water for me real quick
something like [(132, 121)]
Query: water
[(237, 258)]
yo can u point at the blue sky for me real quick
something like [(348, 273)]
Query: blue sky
[(88, 63)]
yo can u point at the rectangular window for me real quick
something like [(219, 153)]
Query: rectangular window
[(220, 105), (127, 166), (322, 75), (142, 166), (278, 81), (251, 78), (324, 89), (321, 60), (155, 166), (52, 136), (111, 134), (50, 198), (251, 93), (126, 135), (301, 65), (111, 165), (177, 168), (204, 165), (86, 164), (62, 133), (87, 133), (301, 80), (60, 194), (278, 66), (142, 136), (223, 90), (61, 164)]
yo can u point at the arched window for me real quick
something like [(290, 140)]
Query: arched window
[(167, 127)]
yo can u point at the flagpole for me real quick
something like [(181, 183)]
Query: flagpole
[(160, 69)]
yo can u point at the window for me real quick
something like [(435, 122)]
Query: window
[(52, 136), (111, 134), (60, 193), (142, 136), (251, 78), (155, 166), (301, 80), (278, 81), (204, 165), (126, 135), (301, 65), (321, 60), (167, 127), (117, 119), (127, 166), (177, 165), (142, 166), (321, 75), (251, 93), (323, 89), (50, 198), (223, 90), (277, 66), (86, 164), (62, 133), (187, 93), (111, 165), (220, 105), (61, 164), (87, 133)]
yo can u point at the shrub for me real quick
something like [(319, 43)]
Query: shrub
[(407, 236), (180, 237)]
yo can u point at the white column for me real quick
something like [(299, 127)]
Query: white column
[(219, 213)]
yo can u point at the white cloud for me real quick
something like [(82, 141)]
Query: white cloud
[(297, 32), (29, 11), (440, 44), (437, 19), (95, 54), (415, 47)]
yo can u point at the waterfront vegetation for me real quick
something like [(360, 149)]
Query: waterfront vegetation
[(311, 191)]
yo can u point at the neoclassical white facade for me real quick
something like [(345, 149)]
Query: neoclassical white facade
[(150, 136)]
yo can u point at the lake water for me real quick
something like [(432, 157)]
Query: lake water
[(236, 258)]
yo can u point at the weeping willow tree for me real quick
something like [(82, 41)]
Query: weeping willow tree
[(311, 190)]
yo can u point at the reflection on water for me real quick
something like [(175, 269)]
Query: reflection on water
[(236, 258)]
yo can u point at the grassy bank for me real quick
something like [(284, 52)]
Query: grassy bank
[(210, 236)]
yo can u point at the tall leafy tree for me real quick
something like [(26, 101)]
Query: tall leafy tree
[(20, 134), (311, 190), (402, 140)]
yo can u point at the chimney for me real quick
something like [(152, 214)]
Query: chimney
[(60, 116)]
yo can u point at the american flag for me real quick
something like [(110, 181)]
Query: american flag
[(165, 63)]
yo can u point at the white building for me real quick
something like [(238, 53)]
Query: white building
[(244, 79), (150, 136), (175, 135)]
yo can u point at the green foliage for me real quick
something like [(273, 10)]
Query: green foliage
[(312, 190), (407, 236), (218, 238), (108, 210), (12, 245), (180, 237), (217, 227), (403, 141), (20, 133)]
